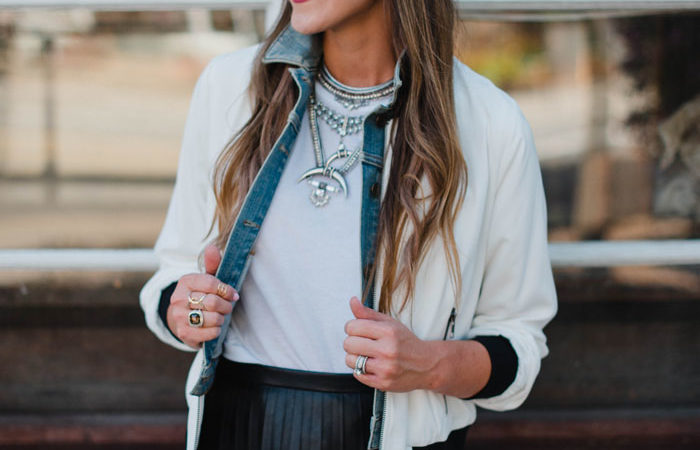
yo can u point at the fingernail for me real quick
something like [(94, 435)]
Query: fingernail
[(236, 296)]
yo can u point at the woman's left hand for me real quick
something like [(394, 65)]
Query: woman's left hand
[(398, 361)]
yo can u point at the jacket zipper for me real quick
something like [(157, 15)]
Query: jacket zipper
[(385, 413), (385, 406), (449, 335), (200, 413), (199, 422), (377, 394), (450, 328)]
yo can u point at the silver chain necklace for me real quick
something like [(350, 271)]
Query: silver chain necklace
[(326, 179), (353, 98), (343, 125)]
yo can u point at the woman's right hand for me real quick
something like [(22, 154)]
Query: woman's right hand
[(216, 302)]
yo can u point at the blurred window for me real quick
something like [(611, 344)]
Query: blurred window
[(93, 103)]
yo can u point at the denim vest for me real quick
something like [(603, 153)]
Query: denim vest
[(302, 53)]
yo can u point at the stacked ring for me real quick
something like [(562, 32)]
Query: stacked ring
[(196, 318), (221, 290), (360, 364), (196, 303)]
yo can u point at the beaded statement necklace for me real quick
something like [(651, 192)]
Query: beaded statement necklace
[(328, 176), (353, 98)]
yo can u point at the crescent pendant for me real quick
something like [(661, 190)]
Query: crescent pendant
[(316, 171), (332, 158), (341, 153)]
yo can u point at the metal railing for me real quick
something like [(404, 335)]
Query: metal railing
[(563, 254)]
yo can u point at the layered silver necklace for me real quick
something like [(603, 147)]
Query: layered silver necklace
[(353, 98), (325, 178)]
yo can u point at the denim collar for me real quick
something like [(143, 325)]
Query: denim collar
[(296, 49), (305, 51)]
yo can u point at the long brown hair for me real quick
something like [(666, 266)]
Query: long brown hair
[(425, 146)]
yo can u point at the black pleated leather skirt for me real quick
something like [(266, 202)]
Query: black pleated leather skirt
[(253, 407)]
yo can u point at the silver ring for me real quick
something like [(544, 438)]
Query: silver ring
[(196, 318), (360, 364)]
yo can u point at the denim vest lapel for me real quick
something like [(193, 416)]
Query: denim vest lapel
[(236, 258), (372, 163)]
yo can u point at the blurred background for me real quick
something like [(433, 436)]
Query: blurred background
[(93, 99)]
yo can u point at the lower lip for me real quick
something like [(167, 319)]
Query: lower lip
[(299, 1)]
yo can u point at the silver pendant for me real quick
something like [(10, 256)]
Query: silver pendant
[(341, 153), (321, 192), (329, 174)]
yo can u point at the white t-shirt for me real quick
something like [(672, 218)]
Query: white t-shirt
[(295, 299)]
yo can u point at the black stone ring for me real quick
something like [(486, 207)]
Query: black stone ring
[(196, 318)]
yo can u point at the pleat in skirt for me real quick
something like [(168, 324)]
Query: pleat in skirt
[(253, 407)]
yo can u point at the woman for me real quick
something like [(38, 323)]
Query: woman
[(350, 157)]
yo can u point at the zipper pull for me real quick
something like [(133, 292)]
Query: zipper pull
[(450, 329)]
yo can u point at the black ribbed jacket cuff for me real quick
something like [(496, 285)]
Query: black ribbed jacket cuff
[(163, 304), (504, 365)]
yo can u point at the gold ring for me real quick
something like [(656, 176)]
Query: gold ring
[(196, 318), (196, 303), (222, 290)]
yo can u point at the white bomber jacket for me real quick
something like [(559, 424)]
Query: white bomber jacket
[(501, 235)]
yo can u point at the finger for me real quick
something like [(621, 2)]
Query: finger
[(361, 346), (372, 381), (208, 284), (362, 312), (365, 328), (210, 319), (368, 378), (194, 337), (196, 300), (180, 293), (218, 304), (211, 302), (351, 360), (212, 259)]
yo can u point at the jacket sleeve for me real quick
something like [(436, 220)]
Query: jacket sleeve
[(504, 365), (189, 215), (517, 297)]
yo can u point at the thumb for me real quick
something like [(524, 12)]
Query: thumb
[(360, 311), (212, 259)]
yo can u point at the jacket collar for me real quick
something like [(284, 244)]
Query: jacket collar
[(294, 48), (305, 51)]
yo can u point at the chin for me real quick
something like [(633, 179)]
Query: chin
[(316, 16), (305, 26)]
